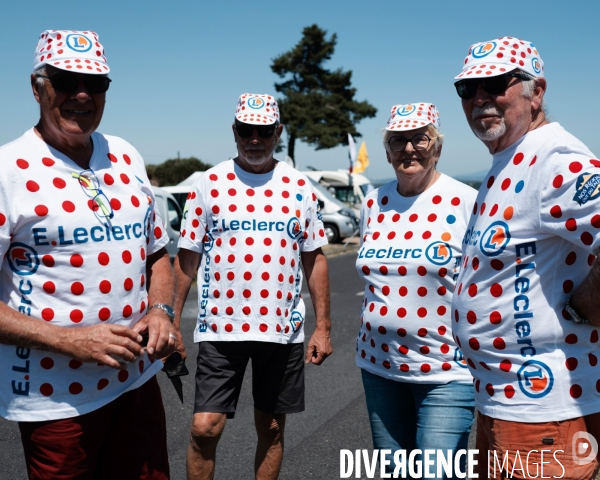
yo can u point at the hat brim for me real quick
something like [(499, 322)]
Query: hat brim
[(255, 119), (79, 65), (402, 126), (485, 70)]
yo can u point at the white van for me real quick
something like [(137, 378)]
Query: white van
[(170, 213), (350, 188)]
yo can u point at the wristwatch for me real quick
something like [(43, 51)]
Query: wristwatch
[(165, 308), (574, 315)]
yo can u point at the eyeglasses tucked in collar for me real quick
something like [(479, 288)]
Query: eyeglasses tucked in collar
[(90, 184)]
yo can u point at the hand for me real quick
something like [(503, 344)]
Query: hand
[(101, 343), (179, 345), (160, 329), (319, 347)]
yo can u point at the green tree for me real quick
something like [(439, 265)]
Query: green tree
[(318, 105), (175, 170)]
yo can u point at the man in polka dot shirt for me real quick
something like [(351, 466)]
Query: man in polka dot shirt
[(83, 259), (525, 307), (250, 223)]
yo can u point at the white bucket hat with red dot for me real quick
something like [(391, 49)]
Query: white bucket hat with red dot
[(71, 50), (413, 115), (495, 57), (257, 109)]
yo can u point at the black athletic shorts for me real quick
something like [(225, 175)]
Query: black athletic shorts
[(277, 376)]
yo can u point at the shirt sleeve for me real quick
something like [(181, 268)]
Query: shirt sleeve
[(314, 231), (570, 200), (364, 216), (195, 221), (5, 223)]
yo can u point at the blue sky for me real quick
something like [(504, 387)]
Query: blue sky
[(178, 67)]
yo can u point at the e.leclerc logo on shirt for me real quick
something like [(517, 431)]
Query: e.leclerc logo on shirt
[(535, 379), (495, 239), (256, 102), (405, 110), (483, 49), (22, 259), (294, 229), (459, 358), (535, 64), (296, 320), (79, 43), (439, 253)]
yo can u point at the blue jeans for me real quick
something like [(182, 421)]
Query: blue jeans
[(419, 416)]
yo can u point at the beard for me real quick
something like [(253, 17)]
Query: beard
[(256, 157), (487, 133)]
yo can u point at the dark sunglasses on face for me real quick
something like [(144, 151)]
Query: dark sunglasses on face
[(467, 88), (245, 130), (69, 82)]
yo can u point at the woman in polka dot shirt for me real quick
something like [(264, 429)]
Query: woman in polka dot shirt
[(419, 392)]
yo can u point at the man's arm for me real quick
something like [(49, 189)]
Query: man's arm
[(160, 283), (586, 298), (317, 278), (99, 343), (186, 264)]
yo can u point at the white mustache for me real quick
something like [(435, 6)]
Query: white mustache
[(487, 110)]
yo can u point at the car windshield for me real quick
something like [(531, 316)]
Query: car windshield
[(323, 191)]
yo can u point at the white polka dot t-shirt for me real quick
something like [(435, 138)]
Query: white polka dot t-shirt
[(409, 260), (66, 264), (531, 241), (250, 230)]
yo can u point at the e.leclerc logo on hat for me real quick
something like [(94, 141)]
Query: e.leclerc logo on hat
[(495, 239), (79, 43), (483, 49), (405, 110), (535, 379), (256, 102), (535, 64)]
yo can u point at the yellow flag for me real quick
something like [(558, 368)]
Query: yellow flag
[(362, 160)]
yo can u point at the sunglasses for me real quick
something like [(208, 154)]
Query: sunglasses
[(245, 130), (69, 82), (99, 202), (497, 85)]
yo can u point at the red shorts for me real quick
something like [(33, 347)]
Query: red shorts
[(125, 439), (535, 450)]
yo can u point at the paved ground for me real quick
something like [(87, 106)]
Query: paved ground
[(335, 416)]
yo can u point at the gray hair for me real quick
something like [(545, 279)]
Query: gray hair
[(40, 71), (529, 88)]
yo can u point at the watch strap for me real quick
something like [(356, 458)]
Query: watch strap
[(165, 308), (573, 313)]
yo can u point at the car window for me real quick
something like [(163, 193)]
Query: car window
[(174, 215)]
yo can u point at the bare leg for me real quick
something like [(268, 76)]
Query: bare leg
[(205, 435), (269, 450)]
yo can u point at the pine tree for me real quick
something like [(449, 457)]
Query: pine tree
[(318, 105)]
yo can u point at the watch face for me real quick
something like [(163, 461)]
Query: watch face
[(165, 308)]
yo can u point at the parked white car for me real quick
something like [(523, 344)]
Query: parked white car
[(170, 212)]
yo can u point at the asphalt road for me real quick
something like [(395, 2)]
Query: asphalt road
[(335, 415)]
